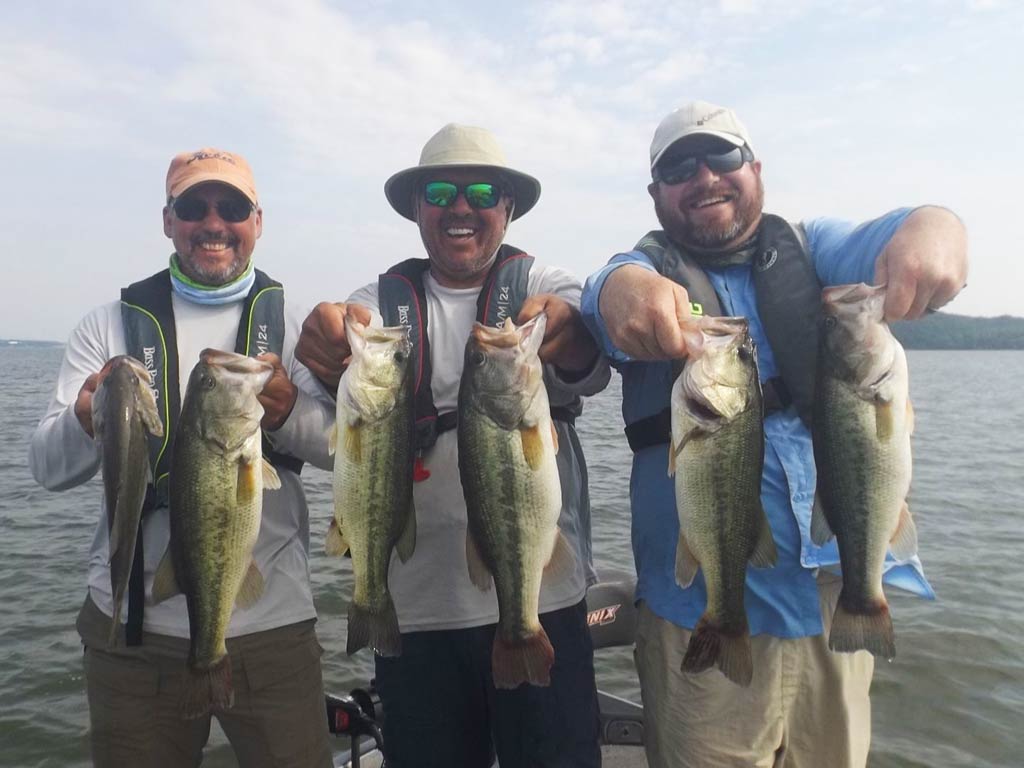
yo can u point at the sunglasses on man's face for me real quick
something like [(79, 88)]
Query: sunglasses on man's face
[(444, 193), (676, 170), (233, 210)]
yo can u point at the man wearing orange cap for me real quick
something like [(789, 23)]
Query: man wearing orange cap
[(211, 296), (441, 706)]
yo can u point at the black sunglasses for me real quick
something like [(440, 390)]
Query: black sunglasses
[(676, 170), (478, 195), (233, 210)]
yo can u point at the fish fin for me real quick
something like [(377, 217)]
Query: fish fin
[(98, 422), (903, 544), (165, 582), (821, 531), (711, 644), (765, 554), (479, 573), (206, 689), (353, 443), (151, 419), (554, 436), (251, 588), (562, 563), (687, 563), (883, 419), (332, 440), (910, 417), (271, 480), (406, 543), (672, 453), (533, 446), (334, 543), (522, 661), (377, 629), (868, 630)]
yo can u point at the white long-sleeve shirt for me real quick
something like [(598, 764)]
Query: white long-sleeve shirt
[(62, 455)]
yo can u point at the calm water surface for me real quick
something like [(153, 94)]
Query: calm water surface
[(953, 697)]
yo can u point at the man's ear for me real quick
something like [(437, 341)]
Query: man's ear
[(167, 220)]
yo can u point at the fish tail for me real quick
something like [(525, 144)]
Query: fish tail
[(205, 689), (713, 645), (375, 628), (867, 628), (515, 662)]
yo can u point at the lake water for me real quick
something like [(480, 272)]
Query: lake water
[(953, 697)]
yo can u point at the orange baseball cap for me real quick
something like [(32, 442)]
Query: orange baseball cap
[(209, 164)]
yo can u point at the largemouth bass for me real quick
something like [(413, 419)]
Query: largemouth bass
[(218, 474), (123, 414), (507, 449), (374, 449), (717, 455), (862, 423)]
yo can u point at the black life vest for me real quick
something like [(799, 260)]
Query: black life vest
[(788, 295), (402, 300), (149, 333)]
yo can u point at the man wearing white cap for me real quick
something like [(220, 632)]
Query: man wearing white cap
[(719, 253), (441, 707), (211, 296)]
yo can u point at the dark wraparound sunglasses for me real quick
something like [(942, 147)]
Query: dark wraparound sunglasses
[(676, 170), (231, 209), (479, 195)]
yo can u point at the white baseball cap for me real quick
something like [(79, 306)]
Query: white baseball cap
[(698, 118)]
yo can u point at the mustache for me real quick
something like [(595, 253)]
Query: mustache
[(215, 238)]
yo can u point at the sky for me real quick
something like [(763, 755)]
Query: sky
[(854, 108)]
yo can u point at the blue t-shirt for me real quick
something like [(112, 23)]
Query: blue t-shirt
[(783, 600)]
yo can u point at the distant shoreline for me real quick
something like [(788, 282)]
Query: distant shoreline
[(937, 331)]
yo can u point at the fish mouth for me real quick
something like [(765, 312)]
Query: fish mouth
[(838, 295), (235, 363)]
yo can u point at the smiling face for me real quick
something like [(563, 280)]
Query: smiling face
[(213, 251), (461, 241), (710, 211)]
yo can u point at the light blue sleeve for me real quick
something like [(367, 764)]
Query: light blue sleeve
[(590, 302), (845, 253)]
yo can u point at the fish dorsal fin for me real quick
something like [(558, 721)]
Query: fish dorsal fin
[(533, 446), (406, 543), (562, 563), (479, 573), (271, 480), (686, 563), (765, 554), (165, 583), (821, 531), (251, 588), (334, 543), (904, 540)]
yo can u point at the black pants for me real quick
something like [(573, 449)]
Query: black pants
[(441, 707)]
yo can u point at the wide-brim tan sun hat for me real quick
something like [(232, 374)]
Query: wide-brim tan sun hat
[(460, 146)]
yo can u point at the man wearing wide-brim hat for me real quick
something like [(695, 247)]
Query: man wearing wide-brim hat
[(441, 702)]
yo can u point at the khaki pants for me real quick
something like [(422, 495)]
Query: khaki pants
[(807, 707), (278, 718)]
